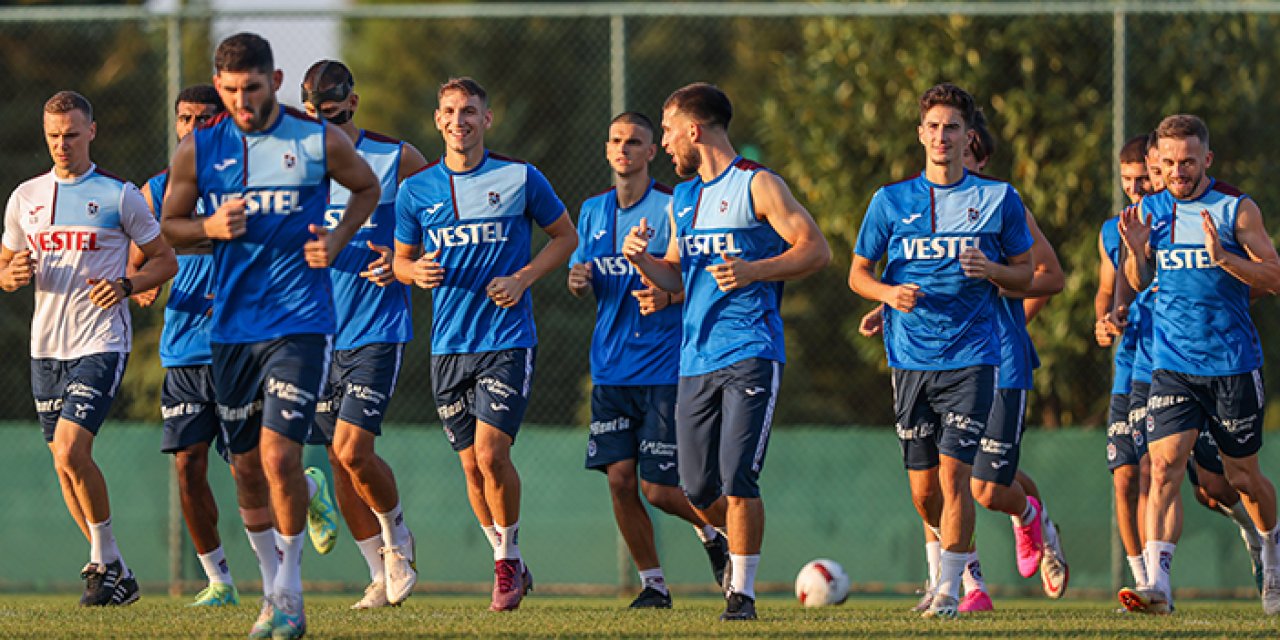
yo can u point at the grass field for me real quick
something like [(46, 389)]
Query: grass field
[(44, 616)]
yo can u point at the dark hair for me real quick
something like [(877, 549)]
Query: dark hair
[(200, 94), (1184, 125), (1153, 140), (68, 101), (244, 52), (704, 103), (467, 85), (1134, 150), (982, 145), (634, 117), (949, 95)]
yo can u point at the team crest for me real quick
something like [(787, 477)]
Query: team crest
[(973, 214), (724, 206), (34, 214), (290, 160), (91, 208), (1111, 452), (1137, 437), (495, 198)]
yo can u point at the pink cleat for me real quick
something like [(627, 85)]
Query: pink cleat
[(1029, 541), (976, 600), (508, 585)]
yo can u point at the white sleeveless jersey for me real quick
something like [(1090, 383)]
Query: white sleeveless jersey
[(77, 229)]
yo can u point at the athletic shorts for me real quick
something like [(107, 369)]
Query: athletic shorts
[(190, 410), (358, 391), (79, 391), (635, 423), (491, 387), (942, 412), (1000, 447), (723, 421), (1127, 430), (272, 384), (1204, 456), (1230, 407)]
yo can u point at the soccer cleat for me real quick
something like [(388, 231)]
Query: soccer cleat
[(976, 600), (527, 577), (1145, 601), (1253, 543), (1271, 591), (322, 524), (738, 607), (401, 571), (375, 596), (217, 595), (718, 553), (126, 592), (926, 599), (651, 598), (290, 620), (1054, 572), (262, 626), (943, 606), (100, 581), (508, 585), (1029, 541)]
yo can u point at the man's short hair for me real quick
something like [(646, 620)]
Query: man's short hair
[(68, 101), (1182, 126), (467, 85), (1134, 150), (982, 145), (704, 103), (1152, 140), (949, 95), (200, 94), (244, 52), (636, 118)]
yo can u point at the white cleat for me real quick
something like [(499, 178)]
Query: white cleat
[(401, 571), (375, 596), (1054, 572), (943, 606)]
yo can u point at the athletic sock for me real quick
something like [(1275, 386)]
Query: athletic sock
[(263, 544), (933, 555), (102, 543), (706, 533), (289, 579), (370, 548), (394, 533), (972, 575), (653, 579), (952, 566), (1270, 550), (744, 574), (215, 566), (1138, 567), (1159, 559), (1027, 514), (490, 534), (508, 547)]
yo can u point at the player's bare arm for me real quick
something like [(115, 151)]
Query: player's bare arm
[(180, 227), (664, 272), (17, 268), (411, 161), (143, 298), (1105, 326), (159, 266), (863, 281), (506, 291), (1048, 279), (1261, 270), (1135, 230), (382, 270), (351, 171)]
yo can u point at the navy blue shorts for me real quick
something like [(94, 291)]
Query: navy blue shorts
[(1126, 432), (491, 387), (359, 389), (942, 412), (723, 420), (190, 409), (1232, 408), (79, 391), (635, 423), (999, 449), (1204, 457), (272, 384)]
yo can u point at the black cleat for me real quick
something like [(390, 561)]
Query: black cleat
[(651, 598), (100, 582), (739, 607), (126, 591), (718, 553)]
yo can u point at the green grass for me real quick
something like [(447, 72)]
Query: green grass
[(25, 616)]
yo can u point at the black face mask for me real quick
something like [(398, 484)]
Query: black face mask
[(332, 94)]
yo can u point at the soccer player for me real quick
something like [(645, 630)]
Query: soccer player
[(1206, 243), (635, 360), (187, 402), (953, 239), (374, 323), (67, 232), (474, 210), (737, 233), (263, 173)]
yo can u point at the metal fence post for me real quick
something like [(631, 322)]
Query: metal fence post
[(1118, 134)]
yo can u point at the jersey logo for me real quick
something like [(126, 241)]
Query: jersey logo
[(600, 234), (495, 198), (710, 243), (937, 247), (724, 206), (911, 218), (91, 209), (434, 208), (973, 214), (1158, 225), (468, 234), (1174, 259), (224, 165), (684, 212), (290, 160), (35, 213)]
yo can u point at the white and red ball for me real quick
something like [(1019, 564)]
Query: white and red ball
[(822, 582)]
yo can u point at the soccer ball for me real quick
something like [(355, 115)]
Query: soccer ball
[(822, 582)]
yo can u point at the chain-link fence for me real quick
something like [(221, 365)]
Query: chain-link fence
[(823, 93)]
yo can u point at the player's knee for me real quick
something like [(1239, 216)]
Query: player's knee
[(1167, 471), (622, 485), (984, 492), (663, 497), (71, 459), (1243, 483), (191, 466), (491, 459), (1127, 483)]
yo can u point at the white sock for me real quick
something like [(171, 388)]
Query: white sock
[(744, 574), (949, 574), (312, 487), (289, 579), (706, 533), (1138, 567), (652, 579), (490, 534), (508, 547), (263, 544), (933, 555), (1159, 559), (1270, 550), (215, 566), (394, 533), (102, 544), (1027, 514), (369, 548), (972, 575)]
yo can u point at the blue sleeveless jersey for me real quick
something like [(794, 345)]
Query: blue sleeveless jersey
[(264, 289), (923, 228), (721, 328), (1202, 323), (627, 349), (482, 222), (184, 340), (367, 313), (1018, 357)]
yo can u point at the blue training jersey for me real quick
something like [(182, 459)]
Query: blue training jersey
[(184, 340), (366, 313), (627, 348), (482, 221), (725, 327), (264, 289), (1202, 323), (923, 228)]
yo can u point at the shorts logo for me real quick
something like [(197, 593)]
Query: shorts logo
[(498, 406), (82, 390), (1245, 438), (496, 387), (966, 442), (288, 392), (366, 393), (658, 449), (370, 412), (999, 464), (666, 466), (448, 433), (964, 423), (290, 160), (918, 432), (450, 410), (609, 426), (91, 209), (1236, 425), (1111, 452), (235, 414), (50, 405), (495, 198), (1151, 422), (1155, 403), (1138, 439), (290, 414), (755, 391), (591, 448), (83, 409)]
